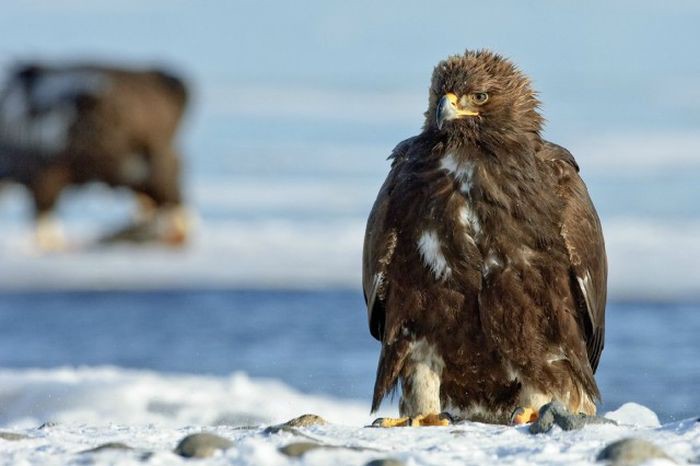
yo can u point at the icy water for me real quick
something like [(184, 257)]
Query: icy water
[(316, 341)]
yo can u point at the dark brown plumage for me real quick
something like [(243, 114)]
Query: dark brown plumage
[(68, 125), (484, 266)]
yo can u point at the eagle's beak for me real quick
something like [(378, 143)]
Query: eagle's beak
[(447, 109)]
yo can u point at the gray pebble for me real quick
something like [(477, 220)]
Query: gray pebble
[(556, 413), (297, 449), (385, 462), (12, 436), (301, 421), (108, 446), (201, 445), (630, 452)]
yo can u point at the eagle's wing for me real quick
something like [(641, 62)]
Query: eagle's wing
[(379, 245), (583, 236)]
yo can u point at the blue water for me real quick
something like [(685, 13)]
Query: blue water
[(315, 341)]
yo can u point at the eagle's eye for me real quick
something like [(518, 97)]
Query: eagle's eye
[(479, 98)]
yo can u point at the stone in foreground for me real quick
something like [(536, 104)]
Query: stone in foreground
[(305, 420), (555, 413), (630, 452), (12, 436), (385, 462), (201, 445), (108, 446), (298, 449)]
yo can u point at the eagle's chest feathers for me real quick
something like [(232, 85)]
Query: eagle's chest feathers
[(458, 222), (464, 174)]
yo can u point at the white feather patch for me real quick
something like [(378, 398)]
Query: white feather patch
[(462, 171), (526, 254), (468, 217), (431, 252), (559, 356), (585, 283), (491, 262)]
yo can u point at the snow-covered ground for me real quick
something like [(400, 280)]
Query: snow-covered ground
[(152, 412)]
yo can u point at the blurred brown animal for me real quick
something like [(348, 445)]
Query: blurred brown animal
[(68, 125)]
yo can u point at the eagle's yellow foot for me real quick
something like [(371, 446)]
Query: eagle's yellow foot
[(48, 234), (432, 419), (523, 416), (391, 422)]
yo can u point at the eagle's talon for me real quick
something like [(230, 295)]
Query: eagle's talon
[(432, 419), (523, 415), (422, 420), (386, 422)]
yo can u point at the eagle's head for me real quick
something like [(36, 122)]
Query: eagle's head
[(481, 96)]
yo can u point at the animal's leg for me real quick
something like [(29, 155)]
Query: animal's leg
[(46, 189), (530, 400), (420, 385), (48, 233), (163, 187), (145, 207), (174, 224), (524, 415), (163, 184)]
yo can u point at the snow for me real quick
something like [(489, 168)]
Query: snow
[(634, 414), (151, 412), (29, 397)]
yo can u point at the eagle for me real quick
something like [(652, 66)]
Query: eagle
[(65, 125), (484, 265)]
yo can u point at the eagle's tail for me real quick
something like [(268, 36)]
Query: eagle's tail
[(391, 360)]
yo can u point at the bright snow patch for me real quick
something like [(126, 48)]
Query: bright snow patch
[(106, 395), (634, 414), (151, 412)]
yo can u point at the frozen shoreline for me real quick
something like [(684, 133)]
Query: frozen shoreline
[(151, 412)]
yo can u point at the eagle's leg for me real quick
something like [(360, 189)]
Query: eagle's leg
[(422, 420), (48, 233), (173, 222), (176, 223), (524, 415), (45, 190), (146, 208)]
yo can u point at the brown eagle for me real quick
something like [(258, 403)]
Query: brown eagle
[(484, 267), (64, 125)]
